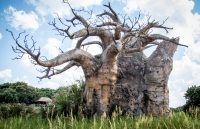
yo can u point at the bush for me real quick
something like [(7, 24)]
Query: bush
[(70, 99), (15, 110), (178, 109), (47, 112), (192, 96), (67, 101)]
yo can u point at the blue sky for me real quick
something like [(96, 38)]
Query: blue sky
[(33, 15)]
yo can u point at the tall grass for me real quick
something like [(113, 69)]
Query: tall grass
[(178, 120), (14, 110)]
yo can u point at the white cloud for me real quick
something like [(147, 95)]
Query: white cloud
[(21, 19), (48, 84), (31, 68), (94, 49), (26, 61), (46, 7), (184, 74), (6, 74), (73, 44), (52, 47), (23, 79), (193, 51), (1, 36)]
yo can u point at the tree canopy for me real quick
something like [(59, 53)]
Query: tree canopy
[(21, 92), (192, 96)]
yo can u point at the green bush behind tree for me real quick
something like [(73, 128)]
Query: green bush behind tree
[(67, 100)]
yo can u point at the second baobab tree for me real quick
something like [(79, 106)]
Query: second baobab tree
[(121, 75)]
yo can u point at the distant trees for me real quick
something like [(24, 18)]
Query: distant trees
[(192, 96), (21, 92), (45, 92), (66, 99)]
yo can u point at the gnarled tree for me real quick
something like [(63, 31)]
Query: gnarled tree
[(121, 75)]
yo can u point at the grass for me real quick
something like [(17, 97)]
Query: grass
[(178, 120)]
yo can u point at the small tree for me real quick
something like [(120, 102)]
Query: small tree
[(121, 75), (192, 97)]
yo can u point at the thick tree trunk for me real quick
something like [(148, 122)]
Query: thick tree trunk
[(138, 87), (158, 68)]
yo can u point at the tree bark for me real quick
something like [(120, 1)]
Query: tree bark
[(141, 86)]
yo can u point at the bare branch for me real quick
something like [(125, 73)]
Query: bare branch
[(127, 35), (78, 45), (154, 37), (24, 50), (92, 42), (55, 72), (61, 51), (114, 16), (66, 31), (108, 24), (78, 17), (46, 73), (152, 24), (117, 34)]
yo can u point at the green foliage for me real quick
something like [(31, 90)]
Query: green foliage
[(47, 112), (18, 92), (178, 109), (15, 110), (192, 96), (69, 99), (21, 92), (45, 92)]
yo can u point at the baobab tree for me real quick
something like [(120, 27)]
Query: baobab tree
[(121, 75)]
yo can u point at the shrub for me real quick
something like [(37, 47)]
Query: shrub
[(68, 100), (15, 110), (192, 96)]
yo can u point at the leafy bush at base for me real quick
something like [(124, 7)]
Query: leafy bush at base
[(15, 110), (67, 100)]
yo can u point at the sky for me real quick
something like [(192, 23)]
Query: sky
[(33, 17)]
